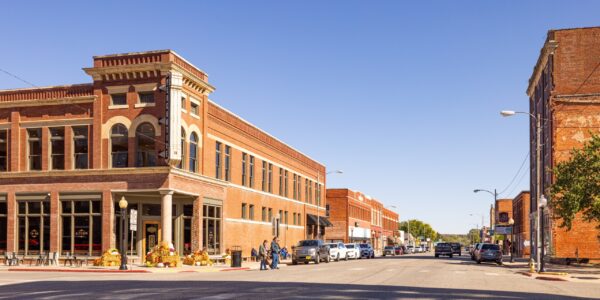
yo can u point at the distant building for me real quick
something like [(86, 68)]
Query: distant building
[(521, 227), (564, 93)]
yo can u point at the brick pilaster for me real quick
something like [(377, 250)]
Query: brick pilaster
[(197, 225), (15, 141), (54, 221), (69, 164), (45, 149), (11, 222), (108, 237)]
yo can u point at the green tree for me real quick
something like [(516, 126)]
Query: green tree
[(419, 229), (577, 185), (474, 236)]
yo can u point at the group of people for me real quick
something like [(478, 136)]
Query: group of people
[(269, 254)]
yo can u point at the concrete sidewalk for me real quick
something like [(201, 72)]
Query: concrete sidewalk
[(575, 273)]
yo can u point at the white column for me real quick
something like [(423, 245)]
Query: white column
[(166, 216)]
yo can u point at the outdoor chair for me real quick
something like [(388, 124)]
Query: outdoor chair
[(70, 259), (14, 260), (42, 258), (53, 260)]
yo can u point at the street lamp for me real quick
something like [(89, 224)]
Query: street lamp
[(511, 222), (123, 206), (538, 149), (319, 199), (543, 203)]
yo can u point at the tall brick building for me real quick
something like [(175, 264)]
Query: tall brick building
[(145, 129), (521, 228), (564, 93), (356, 217)]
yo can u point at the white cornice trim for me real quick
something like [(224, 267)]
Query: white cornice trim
[(45, 102), (261, 223), (275, 196)]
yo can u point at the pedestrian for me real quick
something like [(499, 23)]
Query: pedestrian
[(275, 250), (262, 255)]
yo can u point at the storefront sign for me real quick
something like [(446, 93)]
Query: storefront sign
[(133, 220), (358, 232), (503, 229)]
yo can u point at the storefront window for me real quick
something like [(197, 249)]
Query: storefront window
[(33, 226), (211, 229), (81, 227), (3, 150), (3, 226)]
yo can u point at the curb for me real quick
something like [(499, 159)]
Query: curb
[(550, 278), (234, 269), (77, 271), (526, 274), (554, 273)]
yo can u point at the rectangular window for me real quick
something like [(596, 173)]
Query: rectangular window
[(310, 191), (318, 194), (244, 157), (81, 227), (299, 188), (299, 219), (80, 147), (146, 97), (270, 211), (251, 211), (280, 181), (3, 151), (285, 183), (35, 148), (294, 188), (264, 214), (285, 219), (227, 163), (218, 160), (194, 109), (33, 227), (183, 103), (294, 218), (270, 178), (251, 172), (118, 99), (264, 176), (57, 148), (280, 216), (244, 211)]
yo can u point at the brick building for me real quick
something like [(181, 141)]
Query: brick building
[(356, 217), (521, 228), (564, 93), (144, 129)]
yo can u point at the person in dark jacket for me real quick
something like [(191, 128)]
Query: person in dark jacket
[(263, 254), (275, 250)]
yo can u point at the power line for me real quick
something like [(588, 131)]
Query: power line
[(516, 174), (18, 78)]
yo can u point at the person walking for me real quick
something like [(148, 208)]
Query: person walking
[(262, 255), (275, 250)]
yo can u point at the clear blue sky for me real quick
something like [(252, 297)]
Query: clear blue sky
[(403, 97)]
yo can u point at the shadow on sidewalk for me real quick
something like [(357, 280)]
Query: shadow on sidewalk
[(139, 289)]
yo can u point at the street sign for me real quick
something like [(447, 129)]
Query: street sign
[(503, 229), (133, 220)]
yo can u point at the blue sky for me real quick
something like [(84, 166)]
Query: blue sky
[(403, 96)]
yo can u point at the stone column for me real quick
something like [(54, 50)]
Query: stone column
[(166, 216), (197, 225)]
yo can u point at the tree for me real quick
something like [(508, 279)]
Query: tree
[(474, 236), (577, 185), (419, 229)]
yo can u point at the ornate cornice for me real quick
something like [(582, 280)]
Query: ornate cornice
[(548, 49)]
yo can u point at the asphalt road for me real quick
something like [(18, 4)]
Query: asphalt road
[(413, 276)]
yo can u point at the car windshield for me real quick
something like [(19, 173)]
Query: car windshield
[(332, 245), (443, 245), (490, 247), (308, 243), (350, 246), (389, 247), (364, 245)]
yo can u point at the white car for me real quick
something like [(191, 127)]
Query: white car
[(353, 250), (337, 251)]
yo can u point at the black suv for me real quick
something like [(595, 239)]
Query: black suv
[(310, 250), (443, 249), (456, 248)]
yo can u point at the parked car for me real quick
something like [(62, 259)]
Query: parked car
[(338, 251), (475, 249), (389, 250), (310, 250), (456, 248), (399, 250), (410, 249), (366, 251), (489, 252), (443, 249), (353, 250)]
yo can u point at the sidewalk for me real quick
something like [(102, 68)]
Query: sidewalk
[(574, 273)]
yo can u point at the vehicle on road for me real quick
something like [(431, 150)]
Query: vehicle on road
[(444, 249), (366, 251), (310, 250), (338, 251), (489, 252), (399, 250), (475, 249), (456, 248), (353, 250), (410, 250), (389, 250)]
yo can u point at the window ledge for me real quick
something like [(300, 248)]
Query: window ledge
[(183, 110), (195, 116), (138, 105), (118, 106)]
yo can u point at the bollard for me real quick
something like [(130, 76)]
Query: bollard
[(531, 266)]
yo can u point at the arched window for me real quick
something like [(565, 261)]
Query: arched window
[(181, 163), (118, 141), (146, 150), (193, 152)]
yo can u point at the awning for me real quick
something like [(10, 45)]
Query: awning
[(313, 220)]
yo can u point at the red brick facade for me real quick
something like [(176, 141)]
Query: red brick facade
[(130, 91), (564, 91), (521, 227)]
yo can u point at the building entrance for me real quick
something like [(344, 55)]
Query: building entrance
[(151, 235)]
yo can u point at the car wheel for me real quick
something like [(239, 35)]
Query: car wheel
[(328, 259), (451, 255), (306, 262), (499, 263), (337, 258), (437, 256), (318, 260), (346, 258), (478, 262), (373, 255), (294, 262)]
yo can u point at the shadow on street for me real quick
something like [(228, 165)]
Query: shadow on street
[(133, 289)]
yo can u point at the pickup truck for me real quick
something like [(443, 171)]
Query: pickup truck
[(443, 249)]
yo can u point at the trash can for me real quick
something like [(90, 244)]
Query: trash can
[(236, 257)]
